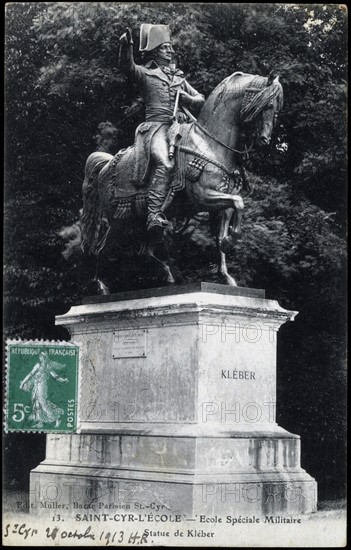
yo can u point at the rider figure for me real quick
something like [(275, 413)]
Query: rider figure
[(158, 81)]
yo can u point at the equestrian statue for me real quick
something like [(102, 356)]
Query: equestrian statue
[(186, 158)]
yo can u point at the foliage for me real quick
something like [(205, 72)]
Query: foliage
[(62, 81)]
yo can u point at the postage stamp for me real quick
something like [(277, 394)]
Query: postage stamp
[(41, 386)]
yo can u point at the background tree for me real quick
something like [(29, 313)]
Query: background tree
[(62, 81)]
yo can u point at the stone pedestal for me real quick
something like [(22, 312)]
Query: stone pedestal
[(176, 409)]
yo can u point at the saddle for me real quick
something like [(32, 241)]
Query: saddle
[(128, 173)]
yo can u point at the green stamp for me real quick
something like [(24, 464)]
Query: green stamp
[(42, 387)]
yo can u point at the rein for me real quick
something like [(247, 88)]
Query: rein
[(250, 95), (229, 173), (256, 97), (217, 140)]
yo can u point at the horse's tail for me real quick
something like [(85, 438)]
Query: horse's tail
[(92, 211)]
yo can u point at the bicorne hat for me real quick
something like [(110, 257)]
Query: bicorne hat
[(152, 36)]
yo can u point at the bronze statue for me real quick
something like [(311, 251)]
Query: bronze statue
[(135, 187)]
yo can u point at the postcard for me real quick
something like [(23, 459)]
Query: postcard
[(175, 267)]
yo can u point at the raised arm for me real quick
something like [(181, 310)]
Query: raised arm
[(125, 56)]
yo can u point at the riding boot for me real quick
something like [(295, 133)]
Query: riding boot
[(157, 194)]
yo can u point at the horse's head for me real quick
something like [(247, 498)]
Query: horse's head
[(242, 109), (266, 123), (261, 106)]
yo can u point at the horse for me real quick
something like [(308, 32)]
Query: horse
[(239, 114)]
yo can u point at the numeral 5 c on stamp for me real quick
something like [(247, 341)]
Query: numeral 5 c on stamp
[(42, 387)]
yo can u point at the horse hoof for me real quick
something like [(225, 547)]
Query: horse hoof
[(102, 288), (226, 279), (231, 281), (170, 279)]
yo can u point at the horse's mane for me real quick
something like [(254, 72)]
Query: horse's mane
[(256, 93)]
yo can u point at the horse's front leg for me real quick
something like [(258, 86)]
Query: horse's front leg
[(211, 199), (226, 217), (229, 241)]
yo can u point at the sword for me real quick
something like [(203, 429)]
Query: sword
[(174, 133), (175, 110)]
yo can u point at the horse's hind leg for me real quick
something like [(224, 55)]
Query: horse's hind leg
[(102, 287), (226, 217), (160, 245)]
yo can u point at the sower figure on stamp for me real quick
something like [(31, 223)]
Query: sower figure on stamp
[(162, 87), (44, 411)]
